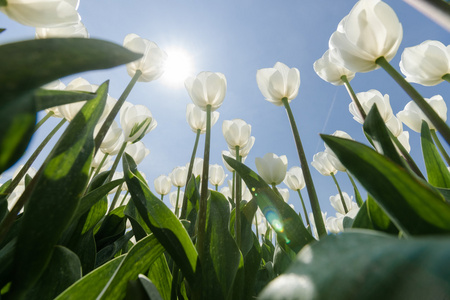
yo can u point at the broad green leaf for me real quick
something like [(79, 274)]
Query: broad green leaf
[(6, 262), (142, 288), (62, 271), (252, 263), (140, 229), (59, 185), (162, 222), (136, 262), (54, 58), (375, 127), (414, 206), (379, 218), (438, 174), (222, 254), (366, 265), (107, 253), (362, 219), (111, 229), (284, 220), (248, 211), (50, 98), (90, 285), (445, 193), (161, 277)]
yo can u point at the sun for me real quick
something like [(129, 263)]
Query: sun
[(178, 67)]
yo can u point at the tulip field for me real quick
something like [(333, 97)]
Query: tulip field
[(85, 224)]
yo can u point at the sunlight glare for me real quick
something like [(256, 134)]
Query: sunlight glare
[(178, 67)]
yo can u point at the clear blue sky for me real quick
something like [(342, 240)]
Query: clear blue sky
[(237, 38)]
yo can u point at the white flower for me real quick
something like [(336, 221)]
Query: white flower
[(136, 121), (336, 202), (207, 88), (272, 168), (330, 71), (196, 118), (294, 179), (321, 161), (236, 133), (77, 30), (137, 151), (178, 176), (216, 175), (367, 100), (162, 184)]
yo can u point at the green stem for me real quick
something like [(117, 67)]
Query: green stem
[(233, 184), (315, 206), (100, 165), (440, 125), (355, 188), (256, 227), (238, 202), (446, 77), (116, 197), (304, 209), (42, 121), (123, 199), (32, 158), (440, 147), (162, 197), (116, 162), (216, 187), (353, 96), (340, 193), (189, 174), (176, 203), (115, 110), (201, 230)]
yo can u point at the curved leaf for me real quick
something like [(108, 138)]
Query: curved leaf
[(413, 205), (366, 265), (49, 98)]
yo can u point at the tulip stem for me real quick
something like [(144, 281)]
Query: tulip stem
[(32, 158), (355, 188), (446, 77), (176, 203), (162, 197), (340, 192), (42, 121), (256, 226), (440, 125), (116, 162), (315, 206), (201, 231), (353, 96), (439, 145), (123, 199), (189, 174), (116, 197), (114, 111), (238, 203), (233, 183), (101, 164), (304, 209)]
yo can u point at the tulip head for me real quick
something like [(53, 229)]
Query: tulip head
[(137, 151), (321, 162), (151, 64), (426, 63), (216, 175), (236, 133), (367, 100), (77, 30), (178, 176), (196, 118), (369, 31), (330, 71), (207, 88), (162, 184), (278, 82), (294, 179), (272, 168), (412, 116), (136, 121)]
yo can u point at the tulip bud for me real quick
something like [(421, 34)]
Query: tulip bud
[(330, 71), (207, 88), (294, 179), (236, 132), (178, 176), (216, 175), (162, 184), (196, 118)]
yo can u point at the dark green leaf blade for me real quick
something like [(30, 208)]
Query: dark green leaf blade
[(390, 269), (49, 98), (59, 185), (161, 221), (27, 65), (413, 205), (283, 219), (438, 174)]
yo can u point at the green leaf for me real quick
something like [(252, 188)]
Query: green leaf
[(414, 206), (50, 98), (248, 211), (223, 256), (161, 277), (375, 127), (107, 253), (136, 262), (112, 228), (142, 288), (62, 271), (284, 220), (438, 174), (90, 285), (161, 221), (366, 265), (58, 187), (27, 65)]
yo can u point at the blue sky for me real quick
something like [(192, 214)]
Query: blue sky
[(237, 38)]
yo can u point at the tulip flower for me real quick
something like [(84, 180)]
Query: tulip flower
[(412, 116), (77, 30), (236, 132), (313, 224), (330, 71), (178, 176), (244, 151), (196, 118), (101, 162), (151, 64), (69, 111), (427, 63), (336, 202), (294, 179), (284, 194), (331, 156), (216, 175), (174, 199), (272, 168), (137, 151), (367, 100), (42, 13), (371, 30), (207, 88), (162, 185), (278, 82), (136, 121), (55, 85), (197, 168), (323, 164), (113, 138), (232, 155)]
